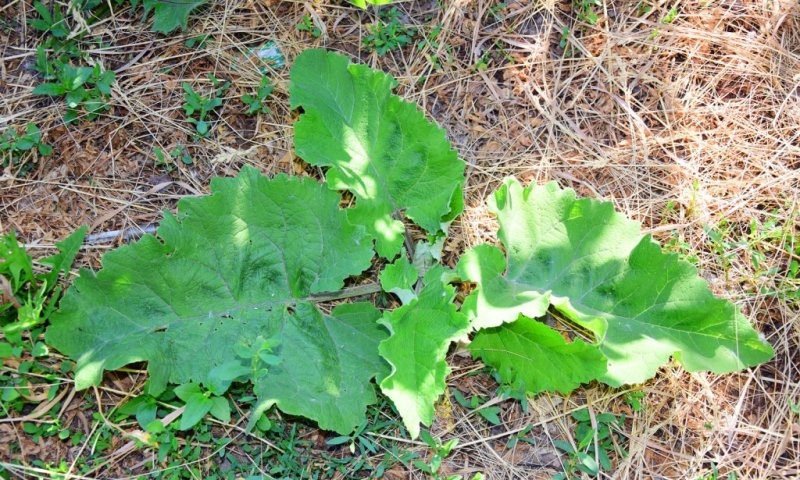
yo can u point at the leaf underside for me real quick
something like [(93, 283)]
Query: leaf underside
[(533, 357), (239, 264), (377, 146), (595, 267)]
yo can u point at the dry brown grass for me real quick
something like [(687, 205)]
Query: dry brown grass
[(681, 125)]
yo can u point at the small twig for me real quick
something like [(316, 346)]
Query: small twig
[(136, 58), (126, 234)]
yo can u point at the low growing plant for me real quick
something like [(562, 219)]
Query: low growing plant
[(199, 41), (440, 452), (587, 10), (596, 441), (490, 413), (28, 295), (257, 102), (430, 44), (198, 107), (389, 33), (52, 22), (14, 145), (229, 289), (168, 15), (170, 159), (306, 24), (495, 54), (85, 89)]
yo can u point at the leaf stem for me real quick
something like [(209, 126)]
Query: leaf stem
[(349, 292)]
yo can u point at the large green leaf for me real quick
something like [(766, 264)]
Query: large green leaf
[(596, 267), (533, 357), (326, 364), (421, 334), (241, 264), (379, 147)]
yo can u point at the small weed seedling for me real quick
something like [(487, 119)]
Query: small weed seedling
[(368, 442), (490, 414), (591, 454), (496, 11), (771, 248), (62, 64), (586, 10), (521, 436), (430, 46), (200, 401), (257, 102), (49, 22), (715, 475), (496, 53), (52, 54), (85, 89), (199, 41), (728, 242), (634, 400), (198, 107), (389, 33), (564, 38), (791, 243), (306, 24), (440, 452), (168, 161), (357, 440), (676, 242), (668, 18), (721, 244), (14, 145)]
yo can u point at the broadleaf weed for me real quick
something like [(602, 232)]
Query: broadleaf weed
[(14, 146), (51, 22), (257, 102), (306, 24), (596, 440), (587, 10), (389, 33), (86, 90), (198, 107)]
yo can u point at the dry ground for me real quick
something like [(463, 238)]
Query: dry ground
[(684, 125)]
